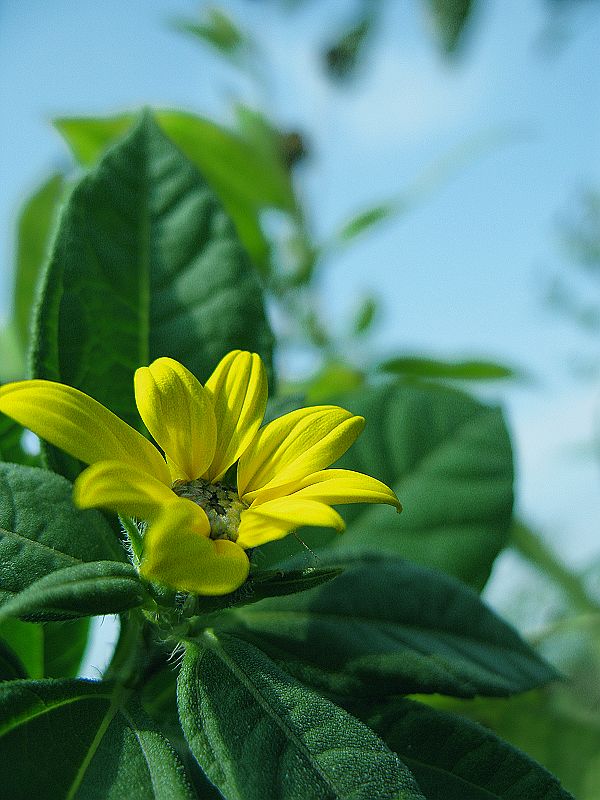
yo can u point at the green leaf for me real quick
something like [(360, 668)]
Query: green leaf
[(474, 370), (266, 583), (218, 31), (11, 443), (387, 626), (101, 587), (343, 56), (453, 758), (257, 733), (450, 18), (64, 647), (34, 231), (247, 175), (11, 666), (365, 220), (78, 739), (449, 459), (41, 530), (145, 264), (26, 642), (559, 726)]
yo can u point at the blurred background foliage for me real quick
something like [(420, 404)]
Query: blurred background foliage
[(253, 167)]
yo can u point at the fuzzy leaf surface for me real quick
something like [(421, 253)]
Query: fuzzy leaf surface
[(100, 587), (387, 626), (453, 758), (82, 740), (239, 711), (41, 531), (146, 263)]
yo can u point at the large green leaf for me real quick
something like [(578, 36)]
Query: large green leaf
[(453, 758), (34, 230), (24, 642), (100, 587), (260, 735), (558, 726), (449, 459), (145, 264), (78, 739), (41, 530), (385, 627), (246, 178)]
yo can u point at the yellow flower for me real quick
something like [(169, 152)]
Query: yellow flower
[(200, 527)]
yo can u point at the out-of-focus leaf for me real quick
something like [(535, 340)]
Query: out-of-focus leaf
[(455, 759), (35, 224), (12, 361), (472, 370), (385, 627), (11, 443), (238, 711), (146, 264), (64, 646), (343, 56), (334, 377), (41, 530), (83, 739), (26, 640), (365, 316), (218, 30), (365, 221), (448, 457), (450, 18)]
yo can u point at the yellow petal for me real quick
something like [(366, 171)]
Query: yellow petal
[(178, 412), (334, 486), (121, 488), (294, 446), (79, 425), (275, 519), (238, 388), (179, 555)]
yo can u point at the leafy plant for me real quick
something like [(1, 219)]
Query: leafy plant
[(292, 685)]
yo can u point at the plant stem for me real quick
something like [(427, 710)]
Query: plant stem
[(135, 538), (531, 547)]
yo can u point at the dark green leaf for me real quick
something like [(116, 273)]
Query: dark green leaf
[(11, 443), (387, 626), (453, 758), (343, 56), (77, 739), (11, 666), (415, 366), (450, 18), (268, 583), (101, 587), (559, 726), (258, 734), (246, 176), (145, 264), (34, 231), (449, 459), (41, 530)]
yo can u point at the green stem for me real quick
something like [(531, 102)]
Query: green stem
[(134, 536), (531, 547), (124, 667)]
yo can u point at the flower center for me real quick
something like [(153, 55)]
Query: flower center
[(221, 503)]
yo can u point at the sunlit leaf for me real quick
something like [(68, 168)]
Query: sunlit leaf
[(238, 711)]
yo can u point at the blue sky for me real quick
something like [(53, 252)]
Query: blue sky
[(462, 273)]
